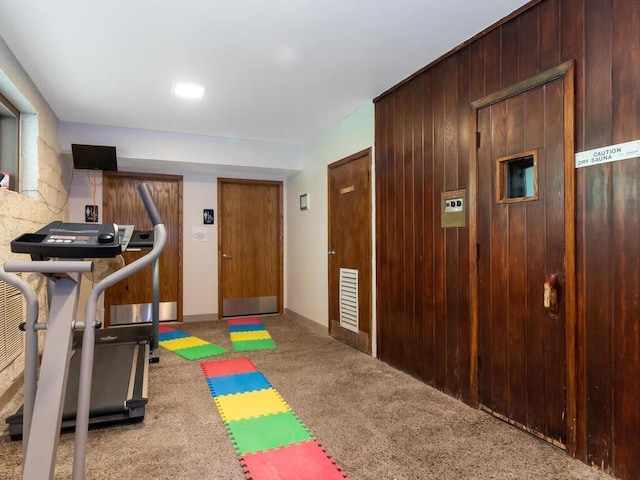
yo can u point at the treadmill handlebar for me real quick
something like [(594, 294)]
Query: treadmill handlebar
[(149, 204), (43, 266), (88, 337), (31, 348), (160, 239)]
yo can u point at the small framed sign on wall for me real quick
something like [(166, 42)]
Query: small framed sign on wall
[(304, 201), (91, 213), (207, 216)]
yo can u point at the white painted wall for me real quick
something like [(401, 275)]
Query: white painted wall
[(160, 151), (201, 160), (307, 230), (82, 193), (200, 262), (200, 259)]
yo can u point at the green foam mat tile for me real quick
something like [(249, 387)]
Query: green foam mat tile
[(248, 345), (200, 351), (258, 434)]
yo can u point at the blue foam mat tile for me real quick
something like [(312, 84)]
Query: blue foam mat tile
[(163, 337), (246, 328), (239, 383)]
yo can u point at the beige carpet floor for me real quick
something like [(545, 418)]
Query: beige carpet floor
[(378, 423)]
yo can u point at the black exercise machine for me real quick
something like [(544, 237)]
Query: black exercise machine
[(121, 394), (119, 355)]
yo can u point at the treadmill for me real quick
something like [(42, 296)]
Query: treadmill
[(122, 354), (45, 391)]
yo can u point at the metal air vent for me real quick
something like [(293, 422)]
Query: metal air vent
[(349, 299), (11, 315)]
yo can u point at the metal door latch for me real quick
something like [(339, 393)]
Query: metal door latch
[(551, 294)]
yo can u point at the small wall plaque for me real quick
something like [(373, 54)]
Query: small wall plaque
[(611, 153), (91, 213), (207, 216), (304, 201)]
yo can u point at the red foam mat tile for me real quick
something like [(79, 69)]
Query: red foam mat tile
[(165, 329), (243, 321), (222, 368), (303, 461)]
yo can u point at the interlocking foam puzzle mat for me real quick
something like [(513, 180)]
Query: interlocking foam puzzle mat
[(249, 334), (185, 345), (270, 440)]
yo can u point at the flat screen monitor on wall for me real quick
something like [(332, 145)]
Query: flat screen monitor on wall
[(94, 157)]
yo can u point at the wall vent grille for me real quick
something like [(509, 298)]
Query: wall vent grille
[(349, 299), (11, 315)]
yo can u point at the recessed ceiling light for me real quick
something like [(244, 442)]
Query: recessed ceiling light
[(187, 90)]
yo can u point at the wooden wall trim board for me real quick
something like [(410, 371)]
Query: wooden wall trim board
[(527, 84), (12, 390), (576, 421), (350, 158), (472, 197), (142, 176)]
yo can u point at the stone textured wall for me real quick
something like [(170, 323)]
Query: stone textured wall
[(45, 173)]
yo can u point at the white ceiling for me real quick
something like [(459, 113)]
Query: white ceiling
[(282, 71)]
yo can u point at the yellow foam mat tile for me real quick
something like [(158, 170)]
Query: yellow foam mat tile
[(255, 335), (180, 343), (250, 404)]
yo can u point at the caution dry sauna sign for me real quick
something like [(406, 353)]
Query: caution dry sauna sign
[(613, 153)]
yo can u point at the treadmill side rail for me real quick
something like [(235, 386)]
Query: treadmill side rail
[(42, 446)]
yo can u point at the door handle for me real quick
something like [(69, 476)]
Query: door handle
[(226, 255), (332, 252), (551, 294)]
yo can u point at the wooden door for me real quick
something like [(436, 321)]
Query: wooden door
[(123, 206), (250, 249), (521, 234), (350, 249)]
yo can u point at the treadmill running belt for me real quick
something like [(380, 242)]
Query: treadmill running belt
[(110, 384)]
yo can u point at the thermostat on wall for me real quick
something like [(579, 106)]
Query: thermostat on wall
[(452, 209)]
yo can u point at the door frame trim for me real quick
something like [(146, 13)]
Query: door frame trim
[(574, 412), (242, 181)]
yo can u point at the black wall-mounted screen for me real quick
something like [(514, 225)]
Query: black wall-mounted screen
[(94, 157)]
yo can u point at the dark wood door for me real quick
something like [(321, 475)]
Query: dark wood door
[(521, 235), (250, 250), (122, 205), (350, 249)]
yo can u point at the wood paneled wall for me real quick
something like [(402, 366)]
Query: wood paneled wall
[(423, 130)]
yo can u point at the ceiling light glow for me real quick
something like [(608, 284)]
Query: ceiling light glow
[(187, 90)]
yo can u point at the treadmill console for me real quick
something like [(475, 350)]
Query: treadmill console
[(142, 240), (70, 240)]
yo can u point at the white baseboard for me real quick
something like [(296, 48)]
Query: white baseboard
[(315, 327), (207, 317)]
